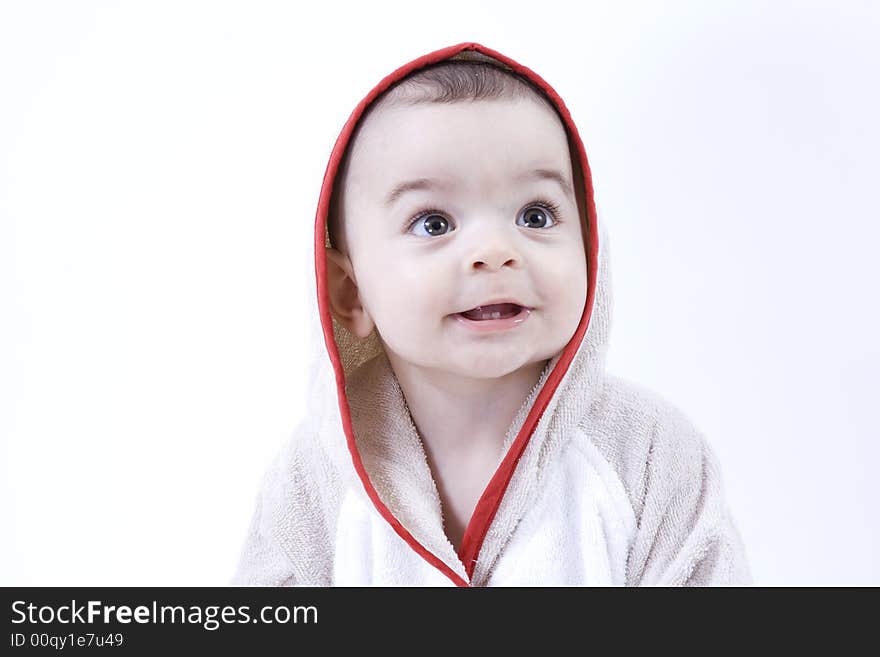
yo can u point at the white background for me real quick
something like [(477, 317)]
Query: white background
[(159, 171)]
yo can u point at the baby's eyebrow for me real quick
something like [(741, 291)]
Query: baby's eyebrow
[(548, 174), (430, 183), (411, 186)]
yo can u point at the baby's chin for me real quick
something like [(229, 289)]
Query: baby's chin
[(490, 367), (475, 362)]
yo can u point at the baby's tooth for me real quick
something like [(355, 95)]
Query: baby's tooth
[(496, 315)]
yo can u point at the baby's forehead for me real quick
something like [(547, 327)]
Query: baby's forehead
[(506, 137)]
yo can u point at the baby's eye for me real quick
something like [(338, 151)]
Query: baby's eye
[(432, 223), (537, 214)]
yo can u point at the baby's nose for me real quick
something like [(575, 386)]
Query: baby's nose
[(494, 257)]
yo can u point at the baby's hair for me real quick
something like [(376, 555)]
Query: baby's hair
[(469, 76)]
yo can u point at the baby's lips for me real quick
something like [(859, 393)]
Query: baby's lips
[(497, 305), (504, 309)]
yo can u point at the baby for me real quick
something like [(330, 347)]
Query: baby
[(475, 438)]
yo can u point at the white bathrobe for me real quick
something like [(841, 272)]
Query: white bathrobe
[(601, 482)]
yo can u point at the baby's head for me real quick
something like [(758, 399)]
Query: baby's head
[(459, 188)]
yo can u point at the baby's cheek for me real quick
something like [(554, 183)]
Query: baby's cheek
[(567, 275)]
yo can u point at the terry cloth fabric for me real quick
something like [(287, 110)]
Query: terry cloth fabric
[(602, 481)]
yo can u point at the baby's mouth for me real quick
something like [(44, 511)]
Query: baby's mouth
[(494, 311)]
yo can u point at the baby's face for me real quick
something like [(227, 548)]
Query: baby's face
[(481, 230)]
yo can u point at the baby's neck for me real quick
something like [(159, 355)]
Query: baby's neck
[(457, 418)]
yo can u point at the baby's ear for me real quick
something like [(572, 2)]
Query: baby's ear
[(345, 303)]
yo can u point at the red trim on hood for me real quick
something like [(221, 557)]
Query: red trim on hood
[(489, 502)]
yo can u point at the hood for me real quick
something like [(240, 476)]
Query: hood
[(366, 430)]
